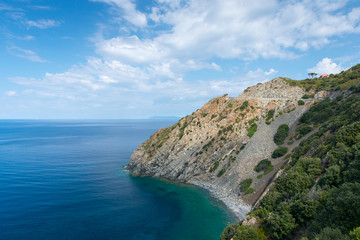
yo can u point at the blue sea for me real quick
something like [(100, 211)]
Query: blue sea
[(65, 180)]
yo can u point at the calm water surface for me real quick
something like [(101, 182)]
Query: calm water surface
[(64, 180)]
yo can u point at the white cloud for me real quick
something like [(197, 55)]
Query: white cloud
[(203, 29), (10, 93), (326, 66), (25, 53), (128, 12), (144, 71), (42, 23), (112, 84)]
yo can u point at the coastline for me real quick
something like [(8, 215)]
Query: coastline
[(234, 204)]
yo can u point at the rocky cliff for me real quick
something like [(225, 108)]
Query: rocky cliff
[(218, 146)]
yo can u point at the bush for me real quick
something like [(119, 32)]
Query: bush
[(301, 102), (244, 105), (251, 130), (216, 165), (268, 169), (355, 234), (242, 232), (281, 224), (222, 171), (304, 129), (249, 191), (329, 233), (245, 184), (281, 151), (270, 114), (281, 134), (262, 165)]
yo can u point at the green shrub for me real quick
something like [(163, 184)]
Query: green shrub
[(304, 129), (251, 130), (270, 114), (281, 224), (216, 165), (244, 105), (281, 151), (259, 176), (262, 165), (281, 134), (301, 102), (355, 234), (330, 233), (222, 171), (242, 232), (245, 184), (268, 169), (249, 191)]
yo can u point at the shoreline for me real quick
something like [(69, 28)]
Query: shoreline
[(234, 204)]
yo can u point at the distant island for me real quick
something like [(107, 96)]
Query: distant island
[(164, 117), (284, 156)]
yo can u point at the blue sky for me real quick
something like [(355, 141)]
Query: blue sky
[(136, 59)]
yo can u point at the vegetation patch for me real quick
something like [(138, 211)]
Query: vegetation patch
[(206, 146), (262, 165), (281, 151), (221, 118), (182, 129), (245, 184), (244, 105), (222, 171), (214, 167), (249, 191), (301, 102), (251, 130), (281, 134), (307, 96), (318, 194), (253, 120), (303, 130), (232, 158), (270, 114), (268, 169)]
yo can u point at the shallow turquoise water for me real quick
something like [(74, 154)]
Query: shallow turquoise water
[(64, 180)]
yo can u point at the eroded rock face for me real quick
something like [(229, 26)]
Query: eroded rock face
[(213, 147)]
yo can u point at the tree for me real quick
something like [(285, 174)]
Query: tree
[(280, 224), (281, 134), (329, 233), (355, 234), (312, 75)]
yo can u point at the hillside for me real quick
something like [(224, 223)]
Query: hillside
[(316, 194), (270, 148)]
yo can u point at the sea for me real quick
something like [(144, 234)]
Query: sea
[(64, 179)]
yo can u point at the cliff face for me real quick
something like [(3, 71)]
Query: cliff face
[(218, 146)]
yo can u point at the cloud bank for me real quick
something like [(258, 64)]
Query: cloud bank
[(149, 60)]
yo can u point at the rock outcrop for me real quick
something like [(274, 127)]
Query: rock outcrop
[(218, 146)]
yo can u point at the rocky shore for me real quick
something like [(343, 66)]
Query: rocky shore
[(218, 146)]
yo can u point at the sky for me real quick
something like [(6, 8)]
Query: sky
[(116, 59)]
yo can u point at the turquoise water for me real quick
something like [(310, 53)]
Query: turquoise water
[(64, 180)]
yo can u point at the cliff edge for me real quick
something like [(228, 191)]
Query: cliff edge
[(218, 146)]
